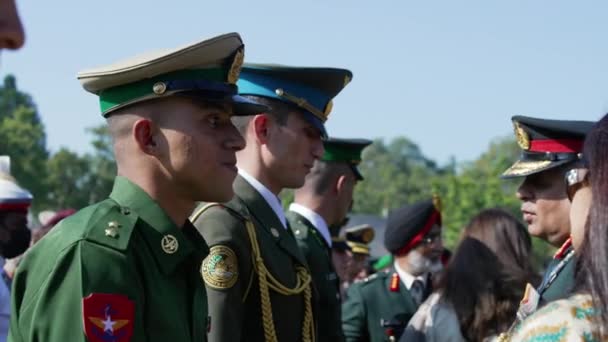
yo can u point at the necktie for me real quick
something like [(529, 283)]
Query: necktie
[(417, 291)]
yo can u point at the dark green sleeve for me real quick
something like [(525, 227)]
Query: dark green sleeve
[(49, 288), (220, 227), (353, 315)]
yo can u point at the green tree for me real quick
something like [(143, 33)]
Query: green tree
[(22, 137), (395, 174), (78, 181), (68, 176)]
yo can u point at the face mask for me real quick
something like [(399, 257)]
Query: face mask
[(17, 244)]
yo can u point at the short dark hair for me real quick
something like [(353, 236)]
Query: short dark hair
[(323, 175), (279, 110)]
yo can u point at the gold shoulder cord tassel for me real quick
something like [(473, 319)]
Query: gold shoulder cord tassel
[(267, 282)]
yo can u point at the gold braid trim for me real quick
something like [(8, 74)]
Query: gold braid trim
[(267, 282)]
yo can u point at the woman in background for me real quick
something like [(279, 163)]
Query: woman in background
[(479, 291)]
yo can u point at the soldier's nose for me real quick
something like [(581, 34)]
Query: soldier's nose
[(11, 30)]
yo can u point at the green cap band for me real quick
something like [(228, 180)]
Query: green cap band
[(129, 93), (342, 153)]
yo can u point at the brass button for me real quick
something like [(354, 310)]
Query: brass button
[(159, 88)]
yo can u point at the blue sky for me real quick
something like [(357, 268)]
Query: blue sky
[(446, 74)]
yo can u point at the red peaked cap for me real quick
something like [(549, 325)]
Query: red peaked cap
[(407, 226)]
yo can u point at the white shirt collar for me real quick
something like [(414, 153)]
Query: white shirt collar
[(270, 198), (406, 278), (317, 221)]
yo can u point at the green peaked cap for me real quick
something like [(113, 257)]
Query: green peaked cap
[(345, 150)]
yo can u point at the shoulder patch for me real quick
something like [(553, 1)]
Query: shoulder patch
[(108, 317), (111, 225), (220, 268)]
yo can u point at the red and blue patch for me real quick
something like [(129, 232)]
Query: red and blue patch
[(108, 317)]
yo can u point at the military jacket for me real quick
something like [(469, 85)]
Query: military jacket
[(119, 270), (375, 311), (558, 281), (318, 255), (233, 283)]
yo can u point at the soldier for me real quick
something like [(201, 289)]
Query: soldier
[(358, 239), (126, 269), (14, 234), (11, 30), (549, 149), (323, 202), (257, 280), (379, 308)]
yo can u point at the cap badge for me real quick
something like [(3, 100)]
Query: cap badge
[(523, 140), (328, 108), (159, 88), (235, 68)]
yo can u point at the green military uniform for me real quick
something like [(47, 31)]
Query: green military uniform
[(258, 283), (237, 299), (122, 270), (318, 251), (558, 280), (372, 311), (547, 144), (379, 308), (318, 256), (126, 260)]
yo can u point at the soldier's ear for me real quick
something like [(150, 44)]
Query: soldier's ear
[(261, 124), (340, 184), (144, 134)]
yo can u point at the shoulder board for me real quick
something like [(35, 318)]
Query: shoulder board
[(201, 209), (110, 225), (374, 277)]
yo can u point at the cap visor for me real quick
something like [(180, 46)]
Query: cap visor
[(317, 123), (242, 106), (523, 168), (356, 171)]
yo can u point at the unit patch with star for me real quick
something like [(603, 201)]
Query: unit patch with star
[(108, 317), (220, 268)]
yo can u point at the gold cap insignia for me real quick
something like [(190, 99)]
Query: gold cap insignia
[(220, 268), (302, 103), (169, 244), (235, 68), (526, 167), (159, 88), (368, 236), (523, 140), (437, 202), (328, 108), (346, 80)]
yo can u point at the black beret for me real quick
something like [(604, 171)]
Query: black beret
[(406, 226)]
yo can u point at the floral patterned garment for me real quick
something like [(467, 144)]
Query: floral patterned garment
[(564, 320)]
